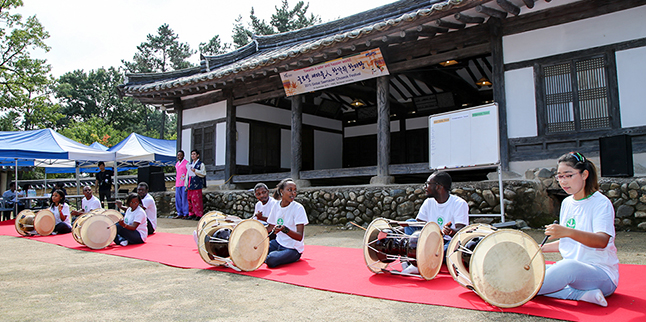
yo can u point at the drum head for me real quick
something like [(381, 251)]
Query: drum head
[(203, 246), (454, 251), (25, 222), (430, 251), (246, 235), (369, 254), (114, 215), (498, 268), (44, 222), (97, 232), (76, 228)]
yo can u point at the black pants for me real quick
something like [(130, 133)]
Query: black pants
[(105, 195), (62, 228), (132, 236)]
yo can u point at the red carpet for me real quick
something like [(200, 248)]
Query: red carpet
[(343, 270)]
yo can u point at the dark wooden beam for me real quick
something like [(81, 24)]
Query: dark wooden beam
[(499, 88), (566, 13), (259, 97), (436, 59), (491, 12), (529, 3), (447, 24), (230, 154), (296, 138), (469, 19), (509, 7)]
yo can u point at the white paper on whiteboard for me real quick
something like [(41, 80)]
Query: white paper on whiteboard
[(464, 138)]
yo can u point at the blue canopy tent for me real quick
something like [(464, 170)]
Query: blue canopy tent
[(48, 148), (99, 146), (138, 150)]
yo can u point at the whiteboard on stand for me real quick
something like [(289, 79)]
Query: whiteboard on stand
[(464, 138)]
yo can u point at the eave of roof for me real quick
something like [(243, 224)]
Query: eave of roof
[(266, 51)]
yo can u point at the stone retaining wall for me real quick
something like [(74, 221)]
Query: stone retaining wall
[(534, 200)]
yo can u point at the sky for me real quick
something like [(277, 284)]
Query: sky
[(90, 34)]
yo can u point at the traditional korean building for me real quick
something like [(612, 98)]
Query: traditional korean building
[(566, 75)]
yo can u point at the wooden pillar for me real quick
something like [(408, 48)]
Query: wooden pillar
[(230, 154), (498, 75), (383, 132), (179, 112), (297, 132)]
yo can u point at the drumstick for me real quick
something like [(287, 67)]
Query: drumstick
[(263, 240), (113, 224), (352, 222), (526, 267)]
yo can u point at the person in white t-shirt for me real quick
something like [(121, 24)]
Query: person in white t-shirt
[(89, 203), (450, 212), (287, 219), (61, 211), (148, 203), (589, 270), (132, 229), (264, 204)]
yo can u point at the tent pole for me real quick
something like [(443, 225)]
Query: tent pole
[(116, 182), (15, 204), (78, 184)]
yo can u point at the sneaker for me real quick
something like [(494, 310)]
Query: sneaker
[(123, 243), (178, 217), (411, 269), (54, 233)]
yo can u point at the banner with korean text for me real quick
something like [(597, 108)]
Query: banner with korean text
[(365, 65)]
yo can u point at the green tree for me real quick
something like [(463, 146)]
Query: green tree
[(24, 80), (285, 19), (214, 47), (161, 53), (95, 129), (84, 96)]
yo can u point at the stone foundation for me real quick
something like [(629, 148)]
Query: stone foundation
[(534, 200)]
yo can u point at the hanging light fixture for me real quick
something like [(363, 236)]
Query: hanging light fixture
[(483, 82), (357, 103), (448, 62)]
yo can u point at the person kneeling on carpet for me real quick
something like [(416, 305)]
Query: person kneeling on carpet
[(133, 228), (589, 270), (61, 211), (287, 220)]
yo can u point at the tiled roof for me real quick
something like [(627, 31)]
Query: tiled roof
[(266, 51)]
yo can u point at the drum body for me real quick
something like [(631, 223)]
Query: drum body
[(383, 243), (96, 229), (243, 243), (30, 223), (499, 268)]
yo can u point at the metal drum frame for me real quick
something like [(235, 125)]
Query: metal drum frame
[(247, 244), (28, 222), (500, 271), (429, 244)]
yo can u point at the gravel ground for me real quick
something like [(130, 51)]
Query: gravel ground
[(41, 281)]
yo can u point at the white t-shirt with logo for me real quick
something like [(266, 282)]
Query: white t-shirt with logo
[(455, 210), (57, 215), (89, 205), (265, 209), (137, 215), (151, 209), (290, 216), (594, 214)]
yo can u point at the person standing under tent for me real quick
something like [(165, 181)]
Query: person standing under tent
[(181, 201), (104, 182), (195, 180)]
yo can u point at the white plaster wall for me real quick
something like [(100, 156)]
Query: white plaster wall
[(205, 113), (220, 143), (285, 148), (186, 143), (521, 103), (631, 70), (328, 150), (242, 143), (368, 129), (274, 115), (577, 35)]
